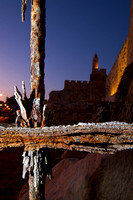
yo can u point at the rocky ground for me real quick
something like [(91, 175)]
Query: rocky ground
[(76, 176)]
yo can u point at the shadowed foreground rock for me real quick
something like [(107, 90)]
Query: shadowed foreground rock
[(11, 173), (93, 177), (114, 178)]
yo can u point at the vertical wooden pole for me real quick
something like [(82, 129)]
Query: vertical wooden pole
[(35, 162), (32, 111), (37, 44)]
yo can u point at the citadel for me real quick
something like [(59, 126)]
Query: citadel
[(79, 97)]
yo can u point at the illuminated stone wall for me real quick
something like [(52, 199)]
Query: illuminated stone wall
[(114, 77), (130, 36)]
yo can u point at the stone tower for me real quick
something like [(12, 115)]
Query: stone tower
[(130, 37), (95, 63)]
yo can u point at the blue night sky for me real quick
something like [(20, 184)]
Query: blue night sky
[(75, 31)]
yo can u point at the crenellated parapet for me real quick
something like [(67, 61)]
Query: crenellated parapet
[(98, 74), (71, 84)]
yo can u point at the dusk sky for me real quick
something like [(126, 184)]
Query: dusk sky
[(75, 31)]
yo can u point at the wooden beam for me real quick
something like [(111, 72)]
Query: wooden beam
[(101, 137)]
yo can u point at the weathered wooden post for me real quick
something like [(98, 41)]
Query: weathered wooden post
[(31, 110), (37, 164), (37, 44)]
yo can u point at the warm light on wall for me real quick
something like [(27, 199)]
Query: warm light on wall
[(114, 90), (95, 62), (96, 66), (117, 71)]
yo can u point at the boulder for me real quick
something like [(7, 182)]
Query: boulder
[(71, 177)]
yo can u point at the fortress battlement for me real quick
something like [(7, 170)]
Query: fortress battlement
[(100, 71), (103, 71), (72, 84), (98, 74)]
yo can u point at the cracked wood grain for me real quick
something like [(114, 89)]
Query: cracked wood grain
[(100, 137)]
